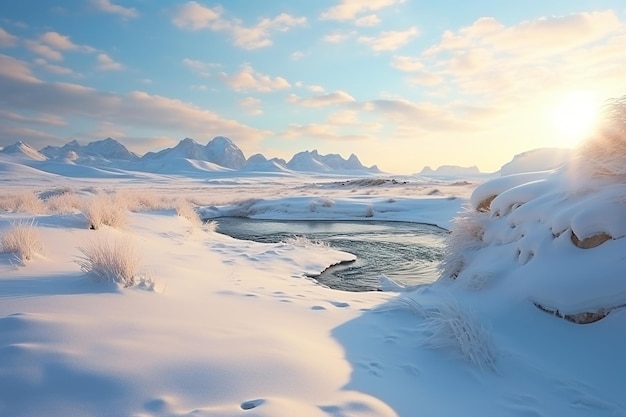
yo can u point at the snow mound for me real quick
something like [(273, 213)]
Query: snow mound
[(537, 160)]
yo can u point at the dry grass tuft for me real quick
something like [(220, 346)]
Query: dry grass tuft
[(186, 210), (24, 202), (111, 260), (105, 210), (21, 239)]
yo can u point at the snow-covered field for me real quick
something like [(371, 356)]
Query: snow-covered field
[(526, 320)]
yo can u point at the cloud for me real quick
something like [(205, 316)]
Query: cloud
[(56, 69), (407, 63), (50, 44), (106, 63), (324, 100), (6, 39), (23, 93), (297, 55), (41, 119), (426, 79), (200, 67), (321, 131), (107, 7), (350, 9), (369, 20), (318, 89), (338, 37), (57, 41), (194, 16), (389, 40), (250, 80), (499, 62), (16, 71), (43, 50), (258, 36), (251, 105)]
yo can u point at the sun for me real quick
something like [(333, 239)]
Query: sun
[(574, 117)]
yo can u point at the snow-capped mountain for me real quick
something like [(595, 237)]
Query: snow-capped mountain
[(260, 163), (450, 170), (98, 151), (23, 150), (224, 152), (220, 150), (187, 158), (312, 161), (110, 149)]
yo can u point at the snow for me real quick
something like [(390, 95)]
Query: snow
[(234, 328)]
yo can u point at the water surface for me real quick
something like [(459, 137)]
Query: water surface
[(405, 252)]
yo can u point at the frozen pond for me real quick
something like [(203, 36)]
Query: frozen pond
[(405, 252)]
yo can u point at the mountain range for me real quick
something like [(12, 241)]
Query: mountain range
[(187, 157)]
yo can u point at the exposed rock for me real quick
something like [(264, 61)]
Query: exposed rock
[(485, 205), (585, 317), (591, 241)]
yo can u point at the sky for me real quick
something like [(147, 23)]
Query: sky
[(400, 83)]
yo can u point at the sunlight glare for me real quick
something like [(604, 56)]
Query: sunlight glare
[(574, 117)]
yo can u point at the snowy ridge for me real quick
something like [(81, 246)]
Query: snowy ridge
[(24, 151), (187, 158), (312, 161)]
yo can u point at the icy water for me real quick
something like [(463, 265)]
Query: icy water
[(405, 252)]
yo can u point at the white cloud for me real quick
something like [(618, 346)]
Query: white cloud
[(106, 63), (41, 118), (50, 44), (426, 79), (350, 9), (57, 41), (369, 20), (297, 55), (407, 63), (250, 80), (338, 37), (389, 40), (252, 105), (43, 50), (56, 69), (137, 109), (316, 89), (321, 131), (194, 16), (501, 62), (6, 39), (330, 99), (16, 70), (107, 7), (200, 67)]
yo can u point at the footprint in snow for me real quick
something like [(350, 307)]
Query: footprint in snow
[(339, 304), (318, 308)]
